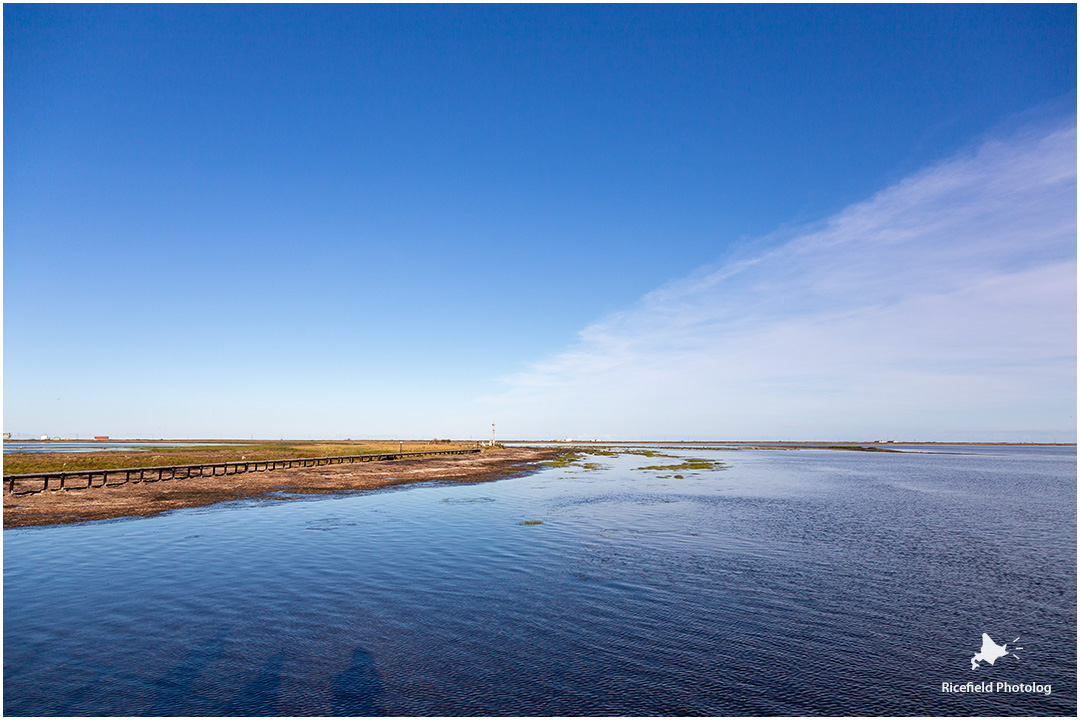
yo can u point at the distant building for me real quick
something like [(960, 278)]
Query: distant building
[(44, 437), (7, 436), (101, 437)]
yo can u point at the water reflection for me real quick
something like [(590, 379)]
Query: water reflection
[(259, 696), (179, 686), (357, 690)]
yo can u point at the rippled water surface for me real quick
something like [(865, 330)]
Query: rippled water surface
[(788, 583)]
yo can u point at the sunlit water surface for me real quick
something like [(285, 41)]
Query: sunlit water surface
[(790, 583)]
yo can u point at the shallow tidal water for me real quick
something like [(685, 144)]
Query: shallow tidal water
[(800, 582)]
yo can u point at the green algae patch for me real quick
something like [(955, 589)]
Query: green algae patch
[(643, 452), (575, 459), (564, 460), (690, 464), (531, 522)]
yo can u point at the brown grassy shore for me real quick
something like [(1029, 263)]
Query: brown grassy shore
[(132, 499), (211, 451)]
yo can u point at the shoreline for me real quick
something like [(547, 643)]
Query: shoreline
[(151, 498)]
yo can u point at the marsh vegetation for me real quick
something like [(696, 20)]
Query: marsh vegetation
[(196, 453)]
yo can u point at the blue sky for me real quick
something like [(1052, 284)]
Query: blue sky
[(700, 222)]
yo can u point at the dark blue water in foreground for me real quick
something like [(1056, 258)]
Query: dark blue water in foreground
[(791, 583)]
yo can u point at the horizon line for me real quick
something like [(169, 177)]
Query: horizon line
[(564, 441)]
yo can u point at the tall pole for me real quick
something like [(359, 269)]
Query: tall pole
[(492, 434)]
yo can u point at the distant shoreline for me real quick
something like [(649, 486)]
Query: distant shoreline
[(246, 441)]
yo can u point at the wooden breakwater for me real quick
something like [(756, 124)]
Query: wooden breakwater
[(32, 483)]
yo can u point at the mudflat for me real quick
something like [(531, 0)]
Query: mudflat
[(150, 498)]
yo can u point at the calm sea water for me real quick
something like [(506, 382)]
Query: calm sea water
[(790, 583)]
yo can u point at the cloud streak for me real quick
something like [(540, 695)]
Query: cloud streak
[(944, 307)]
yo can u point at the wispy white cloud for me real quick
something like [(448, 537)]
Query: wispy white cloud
[(944, 306)]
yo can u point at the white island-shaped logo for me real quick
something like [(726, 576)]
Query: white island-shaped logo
[(991, 651)]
